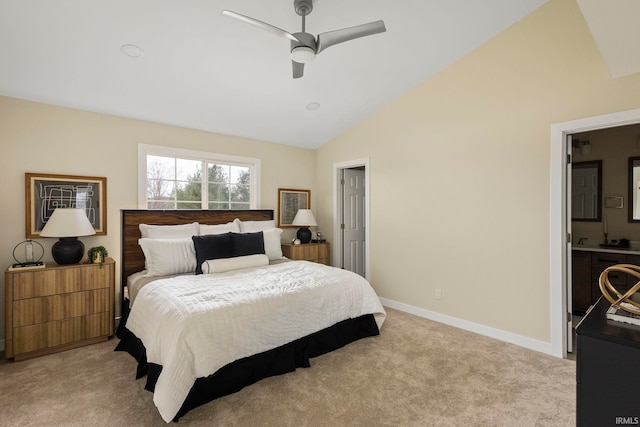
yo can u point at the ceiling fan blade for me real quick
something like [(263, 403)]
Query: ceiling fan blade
[(298, 69), (268, 27), (331, 38)]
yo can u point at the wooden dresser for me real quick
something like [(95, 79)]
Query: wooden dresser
[(58, 307), (316, 252)]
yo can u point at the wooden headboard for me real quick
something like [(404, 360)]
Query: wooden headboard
[(132, 256)]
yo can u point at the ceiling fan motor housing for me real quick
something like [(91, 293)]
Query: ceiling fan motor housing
[(303, 7), (305, 50)]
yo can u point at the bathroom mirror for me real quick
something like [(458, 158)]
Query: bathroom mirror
[(586, 191), (634, 189)]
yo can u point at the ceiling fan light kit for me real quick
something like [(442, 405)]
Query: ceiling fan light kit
[(303, 54), (304, 46)]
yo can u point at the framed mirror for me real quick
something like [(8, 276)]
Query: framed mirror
[(586, 191), (634, 189)]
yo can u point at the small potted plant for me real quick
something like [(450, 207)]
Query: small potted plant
[(97, 255)]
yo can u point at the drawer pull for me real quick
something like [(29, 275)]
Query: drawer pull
[(611, 261)]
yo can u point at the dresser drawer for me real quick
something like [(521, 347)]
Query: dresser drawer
[(30, 284), (316, 252), (56, 307), (61, 332)]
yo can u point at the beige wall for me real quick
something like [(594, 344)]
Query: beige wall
[(460, 172), (46, 139)]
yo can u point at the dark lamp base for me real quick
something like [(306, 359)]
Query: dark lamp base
[(67, 250), (304, 235)]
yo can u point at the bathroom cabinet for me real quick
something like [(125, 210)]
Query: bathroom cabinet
[(587, 265)]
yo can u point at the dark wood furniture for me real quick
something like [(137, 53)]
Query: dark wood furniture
[(58, 307), (581, 281), (315, 252), (607, 374), (586, 269)]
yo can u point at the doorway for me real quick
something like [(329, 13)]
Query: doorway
[(352, 185), (351, 216), (560, 228)]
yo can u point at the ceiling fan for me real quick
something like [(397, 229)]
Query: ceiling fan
[(304, 46)]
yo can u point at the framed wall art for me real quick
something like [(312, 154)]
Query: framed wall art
[(289, 201), (45, 192)]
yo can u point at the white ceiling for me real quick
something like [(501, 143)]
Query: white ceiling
[(204, 71), (614, 26)]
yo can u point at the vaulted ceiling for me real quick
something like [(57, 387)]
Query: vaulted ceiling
[(195, 68)]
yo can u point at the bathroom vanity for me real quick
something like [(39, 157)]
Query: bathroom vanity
[(588, 262)]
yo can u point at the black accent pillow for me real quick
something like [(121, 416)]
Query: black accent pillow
[(212, 246), (247, 243)]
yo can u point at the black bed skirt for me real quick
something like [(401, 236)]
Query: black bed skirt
[(243, 372)]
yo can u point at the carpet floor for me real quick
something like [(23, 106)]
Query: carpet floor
[(416, 373)]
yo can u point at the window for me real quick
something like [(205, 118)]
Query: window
[(173, 178)]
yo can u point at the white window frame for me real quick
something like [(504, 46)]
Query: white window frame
[(145, 150)]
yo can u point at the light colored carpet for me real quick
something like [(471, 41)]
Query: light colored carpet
[(416, 373)]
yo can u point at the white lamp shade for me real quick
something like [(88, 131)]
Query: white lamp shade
[(68, 222), (304, 218)]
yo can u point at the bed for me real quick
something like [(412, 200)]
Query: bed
[(244, 314)]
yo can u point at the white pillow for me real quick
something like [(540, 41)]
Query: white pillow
[(272, 244), (253, 226), (222, 265), (168, 256), (233, 226), (182, 231)]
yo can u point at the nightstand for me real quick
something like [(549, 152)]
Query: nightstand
[(316, 252), (58, 307), (606, 369)]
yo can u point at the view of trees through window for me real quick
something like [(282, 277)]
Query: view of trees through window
[(174, 183)]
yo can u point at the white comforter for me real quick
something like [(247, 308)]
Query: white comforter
[(194, 325)]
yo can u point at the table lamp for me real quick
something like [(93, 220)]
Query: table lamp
[(67, 224), (304, 219)]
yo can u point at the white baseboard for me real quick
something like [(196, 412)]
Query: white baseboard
[(519, 340)]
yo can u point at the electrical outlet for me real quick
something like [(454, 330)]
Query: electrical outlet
[(438, 293)]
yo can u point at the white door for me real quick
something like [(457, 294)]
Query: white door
[(353, 221), (569, 267), (636, 187), (584, 192)]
